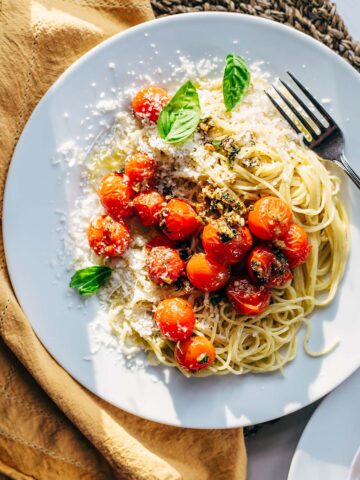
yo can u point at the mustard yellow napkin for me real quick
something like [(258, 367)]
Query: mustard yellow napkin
[(50, 427)]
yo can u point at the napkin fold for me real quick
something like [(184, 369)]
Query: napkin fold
[(51, 427)]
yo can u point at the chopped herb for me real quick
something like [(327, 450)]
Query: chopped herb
[(224, 237), (205, 359), (216, 142)]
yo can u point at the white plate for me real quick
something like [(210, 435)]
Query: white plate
[(328, 447), (35, 190)]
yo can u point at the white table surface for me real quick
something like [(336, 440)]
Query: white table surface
[(271, 447)]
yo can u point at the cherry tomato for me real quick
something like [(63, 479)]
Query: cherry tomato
[(148, 103), (270, 218), (107, 237), (175, 318), (147, 206), (222, 248), (206, 274), (297, 247), (178, 220), (195, 353), (259, 265), (140, 168), (160, 241), (115, 194), (164, 265), (247, 298), (268, 266), (280, 270)]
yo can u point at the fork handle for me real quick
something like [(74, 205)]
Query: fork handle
[(344, 164)]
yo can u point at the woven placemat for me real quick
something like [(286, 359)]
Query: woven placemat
[(317, 18)]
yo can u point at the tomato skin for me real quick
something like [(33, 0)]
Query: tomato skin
[(247, 298), (175, 318), (297, 247), (115, 194), (228, 252), (164, 265), (206, 274), (148, 103), (147, 205), (270, 218), (108, 238), (160, 241), (140, 167), (178, 219), (195, 353)]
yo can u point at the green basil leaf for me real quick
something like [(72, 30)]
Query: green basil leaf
[(181, 116), (88, 280), (205, 359), (236, 80)]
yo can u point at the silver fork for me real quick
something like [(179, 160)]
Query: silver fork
[(329, 142)]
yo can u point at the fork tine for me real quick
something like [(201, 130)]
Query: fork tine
[(319, 107), (286, 116), (296, 113), (304, 106)]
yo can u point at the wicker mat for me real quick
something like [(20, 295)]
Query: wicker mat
[(317, 18)]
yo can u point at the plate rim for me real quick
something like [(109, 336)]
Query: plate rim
[(238, 422)]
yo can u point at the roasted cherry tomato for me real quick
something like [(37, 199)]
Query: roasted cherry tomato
[(147, 206), (164, 265), (140, 167), (221, 247), (259, 263), (247, 298), (175, 318), (195, 353), (270, 218), (148, 103), (280, 270), (107, 237), (297, 247), (160, 241), (115, 194), (206, 274), (268, 266), (178, 220)]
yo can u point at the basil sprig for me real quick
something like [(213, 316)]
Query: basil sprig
[(181, 116), (88, 280), (236, 80)]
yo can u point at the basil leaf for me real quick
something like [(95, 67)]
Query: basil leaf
[(88, 280), (236, 80), (181, 116)]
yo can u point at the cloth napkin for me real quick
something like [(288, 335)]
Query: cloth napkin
[(51, 427)]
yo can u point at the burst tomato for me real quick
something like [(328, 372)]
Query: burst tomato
[(259, 264), (115, 194), (280, 270), (247, 298), (268, 266), (140, 167), (175, 318), (147, 206), (297, 247), (160, 241), (206, 274), (195, 353), (148, 103), (222, 248), (178, 220), (270, 218), (164, 265), (107, 237)]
